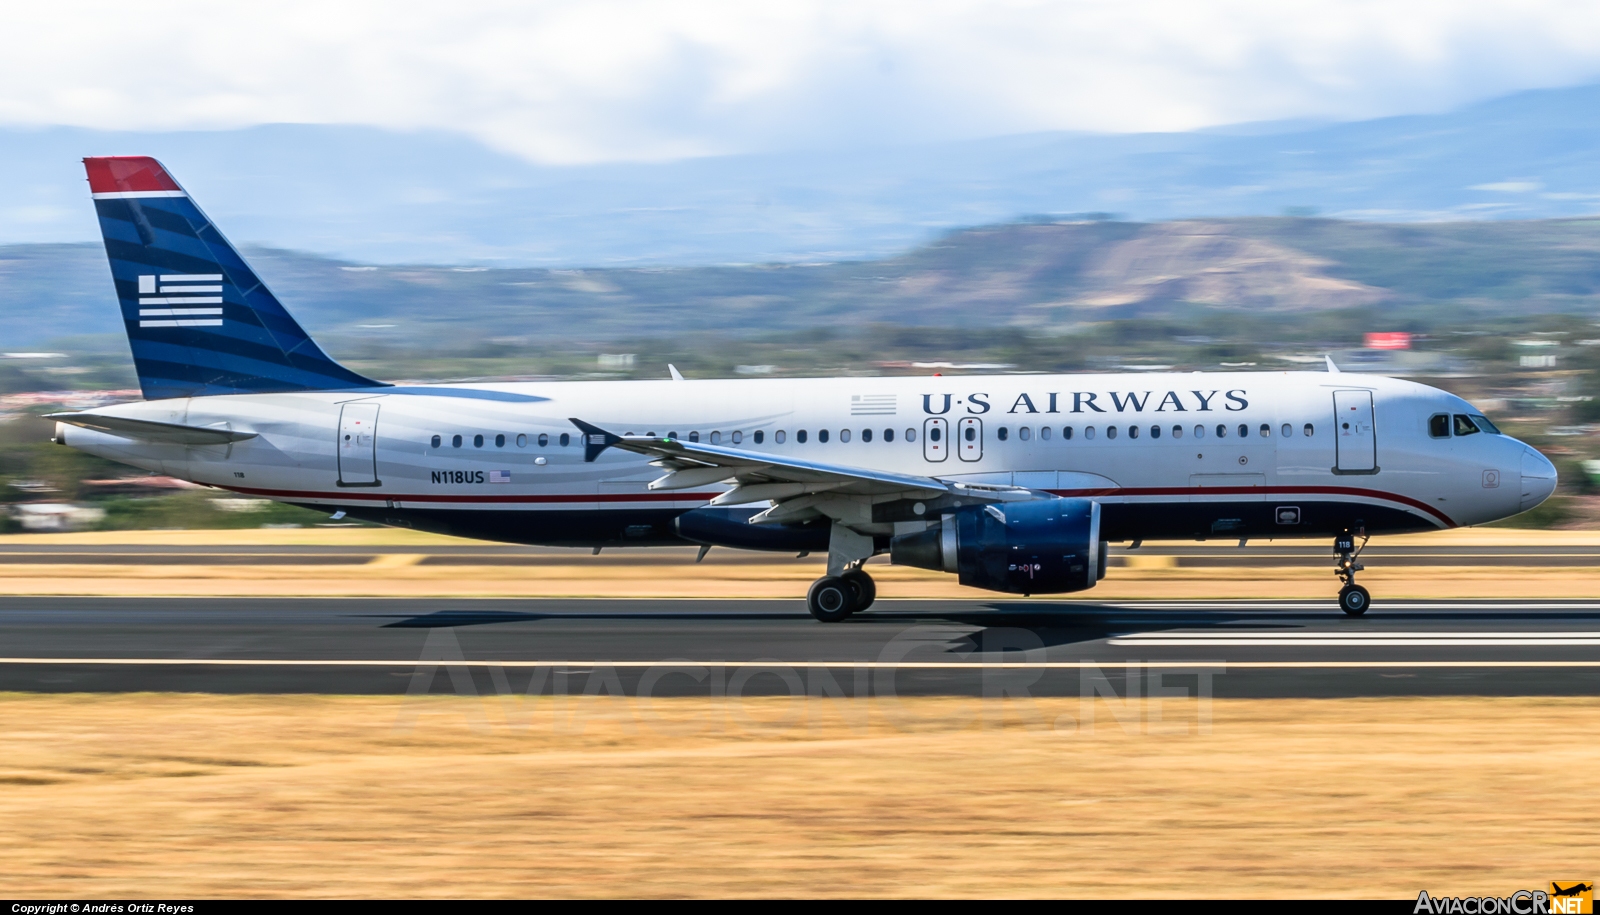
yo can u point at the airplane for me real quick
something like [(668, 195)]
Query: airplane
[(1014, 483), (1577, 889)]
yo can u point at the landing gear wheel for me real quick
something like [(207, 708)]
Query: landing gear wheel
[(831, 599), (1354, 600), (863, 588)]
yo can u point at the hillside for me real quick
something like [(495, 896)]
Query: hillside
[(386, 197), (1040, 276)]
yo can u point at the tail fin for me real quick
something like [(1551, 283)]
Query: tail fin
[(199, 320)]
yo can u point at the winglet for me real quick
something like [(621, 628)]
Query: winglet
[(1332, 369), (595, 439), (676, 375)]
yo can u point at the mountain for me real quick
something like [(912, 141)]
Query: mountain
[(1043, 276), (378, 197)]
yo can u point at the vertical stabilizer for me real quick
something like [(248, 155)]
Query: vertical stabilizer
[(199, 320)]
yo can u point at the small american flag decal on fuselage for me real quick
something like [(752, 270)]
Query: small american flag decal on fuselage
[(872, 404), (179, 299)]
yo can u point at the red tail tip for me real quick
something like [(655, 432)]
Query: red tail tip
[(112, 174)]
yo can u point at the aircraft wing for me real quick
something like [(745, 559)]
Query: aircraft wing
[(150, 430), (760, 476)]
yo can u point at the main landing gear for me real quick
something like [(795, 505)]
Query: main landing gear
[(1353, 599), (833, 598)]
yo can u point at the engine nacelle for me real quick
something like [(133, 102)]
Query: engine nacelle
[(1046, 546)]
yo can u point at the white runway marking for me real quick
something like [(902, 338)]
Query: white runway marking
[(871, 665), (1367, 639)]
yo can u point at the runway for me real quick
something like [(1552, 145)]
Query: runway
[(765, 647), (1287, 554)]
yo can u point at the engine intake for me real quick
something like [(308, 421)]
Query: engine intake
[(1047, 546)]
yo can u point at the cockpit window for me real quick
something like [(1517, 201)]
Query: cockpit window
[(1464, 425), (1485, 425), (1439, 425)]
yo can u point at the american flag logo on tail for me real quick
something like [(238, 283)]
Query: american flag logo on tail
[(180, 300)]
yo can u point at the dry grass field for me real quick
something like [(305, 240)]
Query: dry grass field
[(733, 573), (187, 795)]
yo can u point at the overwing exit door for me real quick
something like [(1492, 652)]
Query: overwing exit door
[(358, 444), (1355, 440), (970, 438), (935, 439)]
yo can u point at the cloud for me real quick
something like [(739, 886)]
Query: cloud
[(609, 80)]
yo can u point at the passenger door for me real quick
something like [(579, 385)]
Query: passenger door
[(1355, 439), (358, 444)]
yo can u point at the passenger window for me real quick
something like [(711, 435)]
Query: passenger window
[(435, 441), (738, 437), (1066, 433), (1155, 431), (1266, 430), (544, 440), (477, 440), (716, 438), (565, 438), (1003, 433), (500, 440), (844, 435), (522, 439), (1464, 426), (1287, 430), (1111, 432), (1310, 430), (1244, 430), (1199, 431), (1088, 432), (694, 437), (800, 436), (1133, 432), (1177, 432), (780, 436), (455, 441), (888, 435), (1439, 425), (1024, 433), (822, 436), (1222, 431), (759, 436), (911, 435), (1044, 433), (866, 435)]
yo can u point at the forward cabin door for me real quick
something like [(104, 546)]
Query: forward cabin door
[(935, 439), (1356, 442), (358, 444)]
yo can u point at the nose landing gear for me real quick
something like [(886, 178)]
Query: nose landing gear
[(1353, 599)]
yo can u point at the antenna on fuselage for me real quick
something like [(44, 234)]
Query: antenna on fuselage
[(1332, 369)]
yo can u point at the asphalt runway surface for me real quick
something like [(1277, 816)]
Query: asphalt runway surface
[(1260, 553), (773, 647)]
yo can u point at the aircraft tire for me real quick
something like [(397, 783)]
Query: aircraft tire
[(1354, 600), (830, 599), (864, 589)]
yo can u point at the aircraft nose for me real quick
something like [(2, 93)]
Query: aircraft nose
[(1538, 478)]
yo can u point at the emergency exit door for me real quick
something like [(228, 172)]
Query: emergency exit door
[(935, 439), (970, 438), (358, 444), (1355, 440)]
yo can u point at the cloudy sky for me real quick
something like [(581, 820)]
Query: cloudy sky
[(617, 80)]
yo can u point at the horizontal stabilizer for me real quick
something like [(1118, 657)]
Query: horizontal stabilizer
[(151, 431)]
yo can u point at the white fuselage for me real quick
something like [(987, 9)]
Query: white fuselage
[(1202, 440)]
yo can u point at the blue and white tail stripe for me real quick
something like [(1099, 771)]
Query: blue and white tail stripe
[(199, 320)]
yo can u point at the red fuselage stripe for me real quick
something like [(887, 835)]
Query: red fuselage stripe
[(566, 498)]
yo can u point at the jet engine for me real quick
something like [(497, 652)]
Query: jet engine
[(1046, 546)]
